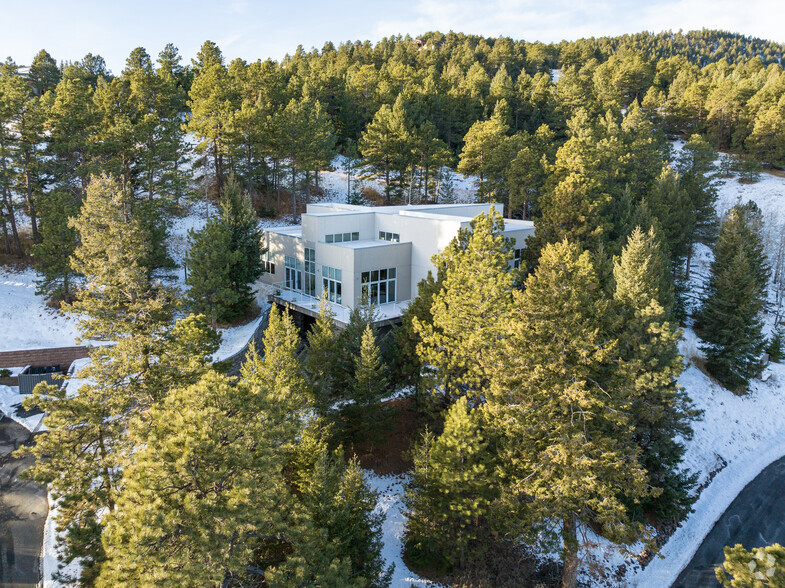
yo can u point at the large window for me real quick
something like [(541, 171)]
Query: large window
[(517, 255), (293, 277), (331, 280), (310, 272), (385, 236), (267, 263), (379, 285), (342, 237)]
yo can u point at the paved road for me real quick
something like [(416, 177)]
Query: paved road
[(23, 510), (755, 518)]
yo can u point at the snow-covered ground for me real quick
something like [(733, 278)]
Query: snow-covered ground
[(390, 489), (25, 321)]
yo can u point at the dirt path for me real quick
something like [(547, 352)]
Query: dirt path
[(23, 510)]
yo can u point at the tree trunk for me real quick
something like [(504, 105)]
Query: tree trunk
[(6, 240), (569, 575), (30, 199)]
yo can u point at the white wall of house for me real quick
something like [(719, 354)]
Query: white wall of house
[(423, 232)]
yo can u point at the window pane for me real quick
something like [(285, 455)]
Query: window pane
[(366, 277), (355, 236), (391, 272), (329, 238), (374, 292), (338, 297), (382, 292), (375, 276), (347, 236), (391, 291), (383, 274), (338, 275), (381, 235)]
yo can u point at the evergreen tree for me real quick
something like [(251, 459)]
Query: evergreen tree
[(201, 489), (564, 435), (86, 445), (342, 506), (57, 244), (225, 258), (238, 216), (468, 311), (364, 410), (483, 155), (450, 492), (44, 73), (730, 316), (759, 567), (650, 367), (209, 261), (386, 146), (319, 364)]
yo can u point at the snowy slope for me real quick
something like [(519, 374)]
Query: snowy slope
[(25, 321)]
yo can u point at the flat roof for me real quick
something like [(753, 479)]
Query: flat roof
[(292, 231), (367, 243)]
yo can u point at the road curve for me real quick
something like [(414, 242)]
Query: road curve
[(755, 518)]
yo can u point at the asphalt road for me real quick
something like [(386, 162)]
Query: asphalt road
[(755, 518), (23, 510)]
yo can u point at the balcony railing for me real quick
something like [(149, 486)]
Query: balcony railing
[(340, 312)]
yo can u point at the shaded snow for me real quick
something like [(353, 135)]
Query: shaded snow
[(390, 502)]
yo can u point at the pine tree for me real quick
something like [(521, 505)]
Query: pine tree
[(468, 310), (202, 487), (387, 145), (483, 155), (730, 316), (212, 100), (57, 243), (341, 504), (44, 73), (209, 261), (350, 344), (238, 216), (279, 371), (759, 567), (86, 445), (319, 364), (225, 259), (564, 434), (364, 411), (450, 492), (649, 370)]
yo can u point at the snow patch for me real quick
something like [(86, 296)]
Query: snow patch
[(390, 503)]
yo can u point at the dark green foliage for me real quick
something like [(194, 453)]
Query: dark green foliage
[(341, 506), (776, 346), (650, 366), (363, 413), (208, 263), (450, 492), (57, 244), (730, 316), (225, 259)]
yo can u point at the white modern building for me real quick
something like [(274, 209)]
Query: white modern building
[(383, 252)]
